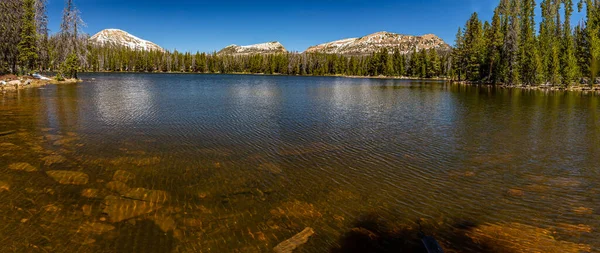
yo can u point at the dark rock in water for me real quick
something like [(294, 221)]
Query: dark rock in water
[(123, 176), (120, 209), (289, 245), (143, 236), (68, 177), (22, 167)]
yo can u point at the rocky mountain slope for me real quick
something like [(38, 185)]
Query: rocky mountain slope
[(122, 38), (263, 48), (375, 42)]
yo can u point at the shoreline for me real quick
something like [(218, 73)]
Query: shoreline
[(27, 83), (579, 88), (36, 83)]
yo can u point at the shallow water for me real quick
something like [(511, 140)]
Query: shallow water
[(232, 163)]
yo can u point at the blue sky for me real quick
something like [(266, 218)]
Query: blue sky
[(206, 26)]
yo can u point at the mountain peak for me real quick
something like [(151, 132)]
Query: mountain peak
[(261, 48), (119, 37), (376, 41)]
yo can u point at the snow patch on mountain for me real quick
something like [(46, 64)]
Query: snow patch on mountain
[(121, 38), (262, 48)]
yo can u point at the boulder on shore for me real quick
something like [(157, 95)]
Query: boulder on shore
[(14, 82)]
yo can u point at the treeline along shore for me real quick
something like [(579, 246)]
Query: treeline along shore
[(511, 50)]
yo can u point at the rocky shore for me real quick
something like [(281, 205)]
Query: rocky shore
[(583, 87), (14, 83)]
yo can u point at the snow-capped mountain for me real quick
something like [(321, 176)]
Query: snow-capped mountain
[(375, 42), (263, 48), (123, 38)]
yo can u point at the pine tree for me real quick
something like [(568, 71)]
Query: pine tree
[(529, 58), (568, 60), (458, 54), (41, 23), (474, 46), (28, 55), (511, 44), (549, 45), (592, 36), (494, 47), (70, 36), (11, 16)]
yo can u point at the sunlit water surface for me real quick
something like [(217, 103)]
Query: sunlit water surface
[(233, 163)]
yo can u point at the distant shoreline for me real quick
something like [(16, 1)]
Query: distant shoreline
[(586, 88)]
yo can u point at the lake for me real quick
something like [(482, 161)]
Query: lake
[(240, 163)]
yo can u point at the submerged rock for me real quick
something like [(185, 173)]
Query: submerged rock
[(575, 229), (7, 146), (4, 186), (90, 193), (95, 227), (515, 193), (68, 177), (65, 141), (138, 161), (22, 167), (289, 245), (118, 187), (296, 209), (120, 209), (165, 222), (270, 167), (583, 210), (154, 196), (516, 237), (52, 159), (192, 222), (87, 210), (51, 208), (123, 176)]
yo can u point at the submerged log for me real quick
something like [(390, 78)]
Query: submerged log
[(289, 245), (7, 132)]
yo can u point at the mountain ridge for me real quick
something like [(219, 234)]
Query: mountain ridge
[(374, 42)]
